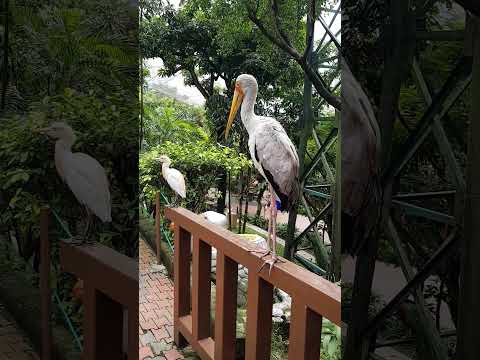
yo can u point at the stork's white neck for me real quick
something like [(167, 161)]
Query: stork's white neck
[(247, 112)]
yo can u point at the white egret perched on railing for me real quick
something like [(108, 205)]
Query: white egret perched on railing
[(174, 178), (84, 175), (272, 153)]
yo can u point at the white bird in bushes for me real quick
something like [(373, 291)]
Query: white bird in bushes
[(84, 175), (216, 218), (272, 153), (174, 178)]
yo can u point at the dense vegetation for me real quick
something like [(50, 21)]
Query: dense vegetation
[(72, 62)]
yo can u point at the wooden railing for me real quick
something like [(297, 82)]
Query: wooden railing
[(110, 298), (312, 296)]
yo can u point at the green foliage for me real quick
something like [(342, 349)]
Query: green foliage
[(73, 63), (167, 119), (200, 163), (331, 341)]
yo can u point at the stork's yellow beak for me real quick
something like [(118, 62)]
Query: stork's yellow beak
[(236, 102)]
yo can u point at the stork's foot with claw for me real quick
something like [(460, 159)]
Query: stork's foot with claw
[(264, 252), (271, 262)]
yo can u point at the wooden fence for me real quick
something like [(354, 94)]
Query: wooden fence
[(312, 296), (110, 292)]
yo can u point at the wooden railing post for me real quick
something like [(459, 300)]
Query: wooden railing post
[(226, 307), (157, 225), (45, 291), (305, 332), (259, 318), (201, 288), (182, 280)]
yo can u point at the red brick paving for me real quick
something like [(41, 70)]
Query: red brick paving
[(155, 309), (14, 345)]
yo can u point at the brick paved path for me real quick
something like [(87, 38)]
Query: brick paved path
[(14, 344), (156, 309)]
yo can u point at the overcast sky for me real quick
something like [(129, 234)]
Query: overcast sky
[(174, 86)]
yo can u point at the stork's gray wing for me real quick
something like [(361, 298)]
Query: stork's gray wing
[(278, 158)]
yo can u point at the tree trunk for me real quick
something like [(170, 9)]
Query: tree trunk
[(306, 127)]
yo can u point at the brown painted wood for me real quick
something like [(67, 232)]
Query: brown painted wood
[(323, 296), (201, 289), (259, 318), (45, 290), (133, 324), (110, 284), (181, 280), (319, 297), (157, 226), (108, 328), (89, 315), (226, 307), (305, 332), (204, 348), (111, 272)]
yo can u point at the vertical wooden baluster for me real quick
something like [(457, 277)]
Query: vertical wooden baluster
[(45, 290), (305, 332), (259, 317), (133, 331), (202, 263), (226, 307), (89, 328), (182, 280), (157, 225)]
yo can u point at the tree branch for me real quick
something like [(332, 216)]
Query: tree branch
[(312, 74), (310, 28), (197, 83), (278, 26)]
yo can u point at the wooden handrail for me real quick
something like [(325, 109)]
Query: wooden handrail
[(110, 287), (312, 296)]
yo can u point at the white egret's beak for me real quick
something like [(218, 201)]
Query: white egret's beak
[(236, 102)]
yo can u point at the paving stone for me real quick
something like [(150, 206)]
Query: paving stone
[(155, 309), (160, 347), (147, 338), (173, 355), (13, 342), (145, 352)]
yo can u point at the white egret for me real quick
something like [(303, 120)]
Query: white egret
[(84, 175), (174, 178), (272, 153), (216, 218)]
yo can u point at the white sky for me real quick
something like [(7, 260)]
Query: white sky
[(175, 85)]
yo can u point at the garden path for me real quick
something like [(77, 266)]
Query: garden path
[(13, 342), (155, 310)]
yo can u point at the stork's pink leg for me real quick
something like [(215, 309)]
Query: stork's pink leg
[(269, 234), (273, 243)]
